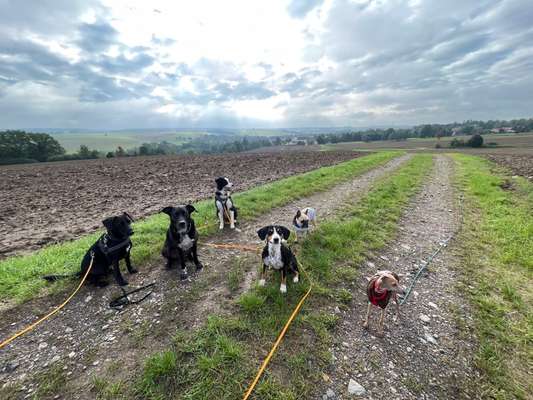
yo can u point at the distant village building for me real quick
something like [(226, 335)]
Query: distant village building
[(504, 129)]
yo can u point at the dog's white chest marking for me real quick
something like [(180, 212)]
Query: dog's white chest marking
[(186, 243), (273, 260)]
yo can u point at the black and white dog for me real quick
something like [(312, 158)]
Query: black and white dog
[(301, 221), (182, 239), (226, 210), (277, 256), (109, 249)]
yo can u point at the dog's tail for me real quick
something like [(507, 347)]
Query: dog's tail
[(54, 278)]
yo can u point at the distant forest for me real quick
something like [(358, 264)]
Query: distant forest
[(24, 147), (429, 131)]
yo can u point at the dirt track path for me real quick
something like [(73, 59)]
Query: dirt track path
[(423, 356), (88, 339)]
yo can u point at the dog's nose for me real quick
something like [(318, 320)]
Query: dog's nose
[(182, 224), (276, 240)]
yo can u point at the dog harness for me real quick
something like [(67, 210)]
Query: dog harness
[(377, 297), (104, 247)]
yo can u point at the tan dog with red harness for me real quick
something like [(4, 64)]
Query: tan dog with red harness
[(382, 286)]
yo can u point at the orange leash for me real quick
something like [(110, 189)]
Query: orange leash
[(232, 246), (29, 328), (280, 336)]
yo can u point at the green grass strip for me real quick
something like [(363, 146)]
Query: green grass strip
[(498, 265), (220, 359), (20, 277)]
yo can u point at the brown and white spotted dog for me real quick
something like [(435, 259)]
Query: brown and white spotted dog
[(381, 287), (301, 221)]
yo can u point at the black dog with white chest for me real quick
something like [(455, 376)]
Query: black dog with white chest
[(182, 239), (277, 255), (110, 248)]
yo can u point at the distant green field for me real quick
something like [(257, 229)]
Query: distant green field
[(110, 141)]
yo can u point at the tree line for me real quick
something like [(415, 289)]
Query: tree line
[(23, 147), (469, 127)]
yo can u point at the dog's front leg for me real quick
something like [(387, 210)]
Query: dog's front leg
[(397, 316), (283, 286), (365, 323), (131, 270), (232, 219), (262, 281), (197, 262), (220, 208), (183, 272), (117, 275), (381, 322)]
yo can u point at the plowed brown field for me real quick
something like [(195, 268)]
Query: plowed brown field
[(54, 202)]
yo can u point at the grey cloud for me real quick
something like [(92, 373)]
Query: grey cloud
[(122, 65), (300, 8), (97, 37)]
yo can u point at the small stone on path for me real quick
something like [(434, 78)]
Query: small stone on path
[(355, 388)]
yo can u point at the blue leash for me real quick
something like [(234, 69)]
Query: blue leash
[(404, 298)]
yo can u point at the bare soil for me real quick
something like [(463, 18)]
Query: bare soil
[(54, 202), (89, 340), (520, 164), (427, 353)]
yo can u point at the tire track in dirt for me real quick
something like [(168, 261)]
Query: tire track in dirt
[(424, 355), (88, 338)]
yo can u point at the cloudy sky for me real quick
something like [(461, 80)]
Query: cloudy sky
[(138, 64)]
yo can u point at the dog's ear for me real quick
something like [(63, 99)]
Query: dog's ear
[(283, 231), (128, 216), (109, 222), (262, 233), (167, 210), (221, 182), (298, 214), (190, 208), (396, 276)]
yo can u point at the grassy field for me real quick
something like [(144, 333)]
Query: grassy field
[(220, 359), (522, 143), (110, 141), (498, 268), (20, 277)]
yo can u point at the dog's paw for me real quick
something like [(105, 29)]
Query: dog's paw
[(283, 288), (183, 274), (296, 279), (199, 266), (221, 226), (232, 226), (123, 282), (365, 325), (262, 282), (102, 284), (133, 271)]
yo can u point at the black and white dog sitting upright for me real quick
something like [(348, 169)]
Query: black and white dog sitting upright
[(182, 239), (276, 255), (226, 210), (109, 249)]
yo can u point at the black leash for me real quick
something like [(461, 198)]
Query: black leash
[(124, 300)]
